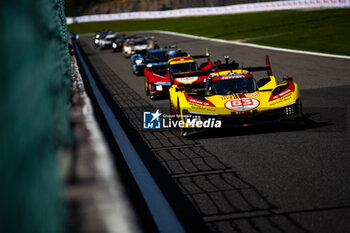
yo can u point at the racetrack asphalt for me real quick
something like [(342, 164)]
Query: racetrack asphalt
[(267, 178)]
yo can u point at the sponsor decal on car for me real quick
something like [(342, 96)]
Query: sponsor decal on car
[(187, 80), (227, 97), (206, 103), (281, 100), (287, 91), (162, 83), (231, 76), (253, 95), (283, 93), (242, 104)]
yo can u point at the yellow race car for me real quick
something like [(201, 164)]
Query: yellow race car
[(233, 97)]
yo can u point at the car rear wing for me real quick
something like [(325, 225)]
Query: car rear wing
[(206, 55), (234, 65), (266, 68), (141, 52), (228, 66), (174, 46), (200, 56), (190, 74), (159, 69), (179, 53), (160, 60)]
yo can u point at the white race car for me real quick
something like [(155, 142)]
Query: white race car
[(137, 46), (107, 41)]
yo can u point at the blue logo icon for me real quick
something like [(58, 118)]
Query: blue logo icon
[(151, 120)]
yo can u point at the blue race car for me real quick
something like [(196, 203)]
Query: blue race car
[(156, 57)]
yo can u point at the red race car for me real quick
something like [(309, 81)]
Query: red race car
[(158, 80)]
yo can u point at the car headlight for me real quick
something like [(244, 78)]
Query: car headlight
[(290, 110), (97, 36), (138, 62), (114, 45), (293, 109), (96, 41)]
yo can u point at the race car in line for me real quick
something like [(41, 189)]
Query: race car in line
[(233, 96), (138, 45), (107, 41), (158, 81), (155, 57), (100, 35), (117, 45)]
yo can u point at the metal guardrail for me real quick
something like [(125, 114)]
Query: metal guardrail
[(163, 215)]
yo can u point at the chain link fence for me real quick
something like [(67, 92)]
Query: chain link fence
[(35, 77)]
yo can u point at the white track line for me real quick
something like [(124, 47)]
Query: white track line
[(253, 45)]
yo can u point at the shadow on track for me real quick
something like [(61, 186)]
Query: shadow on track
[(225, 200), (274, 127)]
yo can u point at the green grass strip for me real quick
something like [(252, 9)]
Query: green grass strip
[(326, 30)]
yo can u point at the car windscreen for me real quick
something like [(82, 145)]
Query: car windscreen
[(141, 42), (233, 86), (109, 37), (124, 37), (184, 67), (157, 55)]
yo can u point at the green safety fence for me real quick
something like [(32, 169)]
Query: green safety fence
[(35, 78)]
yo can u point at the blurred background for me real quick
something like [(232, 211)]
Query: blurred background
[(84, 7)]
